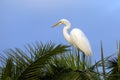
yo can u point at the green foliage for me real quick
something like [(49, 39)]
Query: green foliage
[(114, 66), (56, 62), (64, 67), (103, 62), (28, 65), (7, 71)]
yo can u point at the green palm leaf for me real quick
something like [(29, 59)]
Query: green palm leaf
[(29, 64), (33, 71), (64, 67)]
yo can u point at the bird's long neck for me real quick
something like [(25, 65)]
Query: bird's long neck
[(66, 34)]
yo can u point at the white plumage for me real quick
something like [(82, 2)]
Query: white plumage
[(77, 38)]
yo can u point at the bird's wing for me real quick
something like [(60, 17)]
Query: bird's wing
[(80, 41)]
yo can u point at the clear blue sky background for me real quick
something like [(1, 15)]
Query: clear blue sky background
[(27, 21)]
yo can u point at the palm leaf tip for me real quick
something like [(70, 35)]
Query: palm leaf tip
[(36, 67)]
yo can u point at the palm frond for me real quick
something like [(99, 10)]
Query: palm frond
[(114, 65), (64, 66), (34, 70), (7, 70), (28, 64), (103, 62)]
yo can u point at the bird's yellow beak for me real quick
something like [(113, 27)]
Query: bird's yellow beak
[(57, 24)]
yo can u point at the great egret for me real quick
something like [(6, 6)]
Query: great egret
[(77, 38)]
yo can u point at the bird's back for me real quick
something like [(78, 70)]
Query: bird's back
[(80, 41)]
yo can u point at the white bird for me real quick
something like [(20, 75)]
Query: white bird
[(77, 38)]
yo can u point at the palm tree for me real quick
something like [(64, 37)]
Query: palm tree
[(46, 62), (28, 64), (64, 67), (114, 66)]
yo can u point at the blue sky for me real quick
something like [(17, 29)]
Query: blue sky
[(27, 21)]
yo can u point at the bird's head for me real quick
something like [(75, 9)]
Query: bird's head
[(62, 21)]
